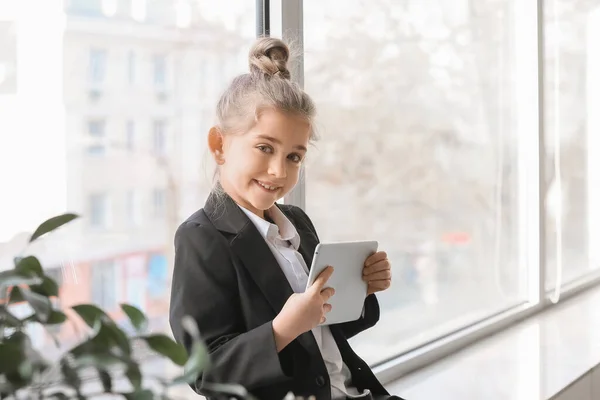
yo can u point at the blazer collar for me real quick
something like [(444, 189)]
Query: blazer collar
[(228, 217), (256, 256), (224, 213), (251, 248)]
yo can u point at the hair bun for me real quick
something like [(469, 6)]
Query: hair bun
[(269, 56)]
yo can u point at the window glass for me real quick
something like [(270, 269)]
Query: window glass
[(572, 128), (98, 61), (421, 132), (76, 98)]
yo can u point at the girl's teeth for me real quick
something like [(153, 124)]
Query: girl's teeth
[(267, 187)]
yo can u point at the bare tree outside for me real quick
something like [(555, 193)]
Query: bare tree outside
[(419, 148)]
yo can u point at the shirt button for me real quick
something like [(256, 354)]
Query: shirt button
[(320, 381)]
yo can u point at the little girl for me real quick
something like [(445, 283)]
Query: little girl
[(241, 262)]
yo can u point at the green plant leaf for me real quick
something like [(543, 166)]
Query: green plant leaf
[(20, 338), (70, 375), (56, 317), (52, 224), (105, 379), (134, 375), (13, 277), (198, 359), (196, 363), (22, 358), (40, 304), (11, 354), (58, 395), (19, 359), (102, 342), (191, 327), (136, 316), (7, 319), (90, 314), (112, 334), (26, 369), (144, 394), (30, 265), (86, 347), (166, 346), (48, 287), (15, 295)]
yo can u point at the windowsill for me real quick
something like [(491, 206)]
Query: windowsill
[(537, 358)]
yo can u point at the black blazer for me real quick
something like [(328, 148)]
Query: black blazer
[(227, 279)]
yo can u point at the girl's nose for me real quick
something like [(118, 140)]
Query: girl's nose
[(277, 168)]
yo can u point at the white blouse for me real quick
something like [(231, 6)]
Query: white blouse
[(284, 241)]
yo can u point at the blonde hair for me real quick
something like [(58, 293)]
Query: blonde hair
[(268, 85)]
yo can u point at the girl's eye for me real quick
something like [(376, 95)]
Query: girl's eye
[(295, 157), (265, 148)]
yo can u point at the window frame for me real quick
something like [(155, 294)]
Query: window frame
[(98, 60), (284, 19), (159, 71), (94, 200), (159, 137), (100, 278)]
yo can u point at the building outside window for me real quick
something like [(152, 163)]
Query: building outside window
[(130, 135), (159, 63), (131, 65), (97, 66), (159, 203), (96, 130), (159, 137), (98, 209), (104, 284)]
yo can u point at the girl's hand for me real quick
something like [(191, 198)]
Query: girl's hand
[(377, 272), (303, 311)]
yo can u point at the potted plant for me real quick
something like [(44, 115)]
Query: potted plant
[(105, 352)]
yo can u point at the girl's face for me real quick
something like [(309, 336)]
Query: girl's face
[(262, 165)]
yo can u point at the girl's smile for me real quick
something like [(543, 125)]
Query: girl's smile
[(262, 165)]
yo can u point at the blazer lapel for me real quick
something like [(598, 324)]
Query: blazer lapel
[(256, 256), (251, 248)]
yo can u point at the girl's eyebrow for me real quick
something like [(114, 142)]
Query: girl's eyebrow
[(277, 141)]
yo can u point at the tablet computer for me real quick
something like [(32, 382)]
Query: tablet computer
[(348, 260)]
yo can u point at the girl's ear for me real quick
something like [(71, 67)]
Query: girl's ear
[(215, 144)]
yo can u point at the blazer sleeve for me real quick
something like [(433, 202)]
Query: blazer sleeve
[(368, 319), (370, 315), (204, 286)]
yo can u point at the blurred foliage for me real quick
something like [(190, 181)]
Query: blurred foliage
[(104, 355)]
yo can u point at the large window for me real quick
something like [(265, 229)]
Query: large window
[(572, 64), (90, 132), (420, 150), (429, 117)]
